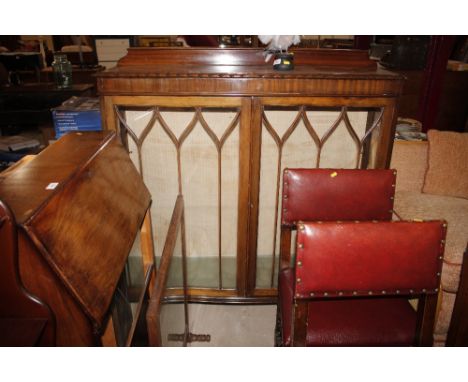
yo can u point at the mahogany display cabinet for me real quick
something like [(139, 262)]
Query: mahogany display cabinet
[(218, 126), (72, 269)]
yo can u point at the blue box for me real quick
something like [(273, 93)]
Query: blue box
[(77, 114)]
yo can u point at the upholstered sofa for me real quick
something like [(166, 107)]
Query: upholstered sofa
[(432, 183)]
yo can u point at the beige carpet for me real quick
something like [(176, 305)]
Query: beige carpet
[(228, 325)]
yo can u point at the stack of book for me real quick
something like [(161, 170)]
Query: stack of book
[(17, 143)]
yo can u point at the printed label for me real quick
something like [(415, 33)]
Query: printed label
[(51, 186)]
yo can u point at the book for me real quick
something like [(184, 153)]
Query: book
[(17, 142)]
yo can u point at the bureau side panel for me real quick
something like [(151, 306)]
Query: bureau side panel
[(72, 326)]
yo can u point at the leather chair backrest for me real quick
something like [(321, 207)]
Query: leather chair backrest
[(369, 258), (337, 194)]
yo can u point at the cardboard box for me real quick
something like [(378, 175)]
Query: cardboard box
[(77, 114)]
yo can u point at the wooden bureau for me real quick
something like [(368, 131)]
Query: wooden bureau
[(69, 219)]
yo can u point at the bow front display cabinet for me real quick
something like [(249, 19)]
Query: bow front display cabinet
[(218, 126)]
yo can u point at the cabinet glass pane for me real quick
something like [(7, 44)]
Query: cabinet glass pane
[(194, 152), (303, 137), (128, 292)]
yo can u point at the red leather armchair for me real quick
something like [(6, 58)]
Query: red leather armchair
[(352, 282)]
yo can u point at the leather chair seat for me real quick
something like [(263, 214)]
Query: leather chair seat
[(351, 322)]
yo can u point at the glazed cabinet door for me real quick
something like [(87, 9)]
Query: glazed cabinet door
[(197, 147), (226, 156), (305, 132)]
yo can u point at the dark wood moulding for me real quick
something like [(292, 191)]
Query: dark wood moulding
[(193, 71)]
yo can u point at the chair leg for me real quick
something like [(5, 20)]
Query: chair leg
[(427, 306), (278, 329), (299, 332)]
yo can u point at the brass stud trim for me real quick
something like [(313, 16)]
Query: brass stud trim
[(444, 225), (300, 245), (384, 292), (301, 227), (354, 293), (299, 263), (440, 257), (340, 293), (325, 293), (436, 289), (393, 185), (442, 241), (312, 293), (392, 198), (298, 279), (438, 273), (411, 291), (424, 290), (370, 292), (397, 291)]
